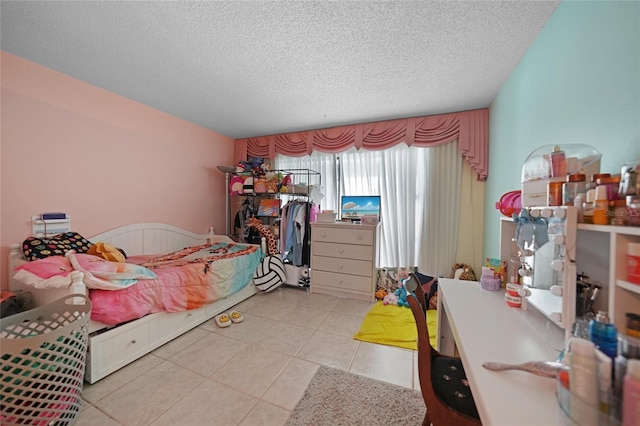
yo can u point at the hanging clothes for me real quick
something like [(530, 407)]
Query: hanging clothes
[(295, 230)]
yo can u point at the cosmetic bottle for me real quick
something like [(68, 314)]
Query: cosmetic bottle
[(631, 394), (558, 162), (601, 206), (619, 371), (587, 206), (583, 381), (604, 334), (605, 368)]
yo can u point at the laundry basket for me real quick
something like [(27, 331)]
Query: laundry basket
[(42, 365)]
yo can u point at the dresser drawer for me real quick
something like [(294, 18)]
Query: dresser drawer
[(344, 251), (342, 266), (364, 236), (337, 281)]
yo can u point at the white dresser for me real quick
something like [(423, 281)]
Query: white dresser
[(344, 259)]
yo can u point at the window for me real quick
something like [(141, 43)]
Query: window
[(419, 188)]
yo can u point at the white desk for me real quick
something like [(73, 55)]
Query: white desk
[(486, 329)]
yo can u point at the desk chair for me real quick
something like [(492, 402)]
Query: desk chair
[(443, 382)]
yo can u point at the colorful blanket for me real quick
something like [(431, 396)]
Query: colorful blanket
[(186, 279)]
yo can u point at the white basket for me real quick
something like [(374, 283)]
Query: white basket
[(44, 353)]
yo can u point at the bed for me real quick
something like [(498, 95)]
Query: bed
[(112, 346)]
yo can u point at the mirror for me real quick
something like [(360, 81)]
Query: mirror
[(548, 271)]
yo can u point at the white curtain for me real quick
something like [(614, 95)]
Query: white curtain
[(325, 164), (420, 198)]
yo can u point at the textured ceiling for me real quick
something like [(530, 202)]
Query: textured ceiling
[(252, 68)]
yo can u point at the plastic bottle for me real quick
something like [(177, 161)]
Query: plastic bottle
[(631, 394), (604, 334), (583, 380), (620, 369), (579, 204), (587, 206), (558, 162), (601, 206), (605, 368)]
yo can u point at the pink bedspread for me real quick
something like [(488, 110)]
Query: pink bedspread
[(186, 279)]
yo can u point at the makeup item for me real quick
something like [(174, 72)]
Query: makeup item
[(633, 210), (631, 394), (612, 183), (605, 364), (618, 212), (574, 185), (604, 334), (558, 163), (601, 206), (588, 206), (554, 193), (583, 379), (594, 180), (633, 263), (633, 324)]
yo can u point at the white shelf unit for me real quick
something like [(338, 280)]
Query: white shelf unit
[(602, 254)]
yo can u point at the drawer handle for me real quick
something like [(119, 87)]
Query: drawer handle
[(134, 341), (340, 266), (359, 237), (340, 281), (323, 235), (340, 250)]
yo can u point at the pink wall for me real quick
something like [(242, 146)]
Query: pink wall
[(103, 159)]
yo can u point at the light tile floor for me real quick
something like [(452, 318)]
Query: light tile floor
[(249, 374)]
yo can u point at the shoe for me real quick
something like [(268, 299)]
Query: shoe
[(223, 320), (236, 316)]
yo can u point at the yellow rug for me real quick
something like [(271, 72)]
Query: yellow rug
[(394, 326)]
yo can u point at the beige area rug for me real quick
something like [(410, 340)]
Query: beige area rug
[(339, 398)]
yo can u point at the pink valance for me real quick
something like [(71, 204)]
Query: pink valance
[(470, 128)]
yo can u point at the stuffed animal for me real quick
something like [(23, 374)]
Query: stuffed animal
[(390, 299), (401, 294), (462, 271), (380, 294)]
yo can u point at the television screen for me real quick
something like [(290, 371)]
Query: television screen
[(353, 207)]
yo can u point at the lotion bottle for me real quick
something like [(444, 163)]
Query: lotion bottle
[(631, 394), (583, 381)]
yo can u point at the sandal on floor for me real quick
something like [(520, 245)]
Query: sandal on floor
[(223, 320), (236, 316)]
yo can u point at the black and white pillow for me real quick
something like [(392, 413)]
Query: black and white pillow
[(270, 273)]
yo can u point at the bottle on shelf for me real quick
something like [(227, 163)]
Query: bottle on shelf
[(601, 206), (574, 185), (604, 334), (558, 162), (588, 206), (631, 394), (583, 380)]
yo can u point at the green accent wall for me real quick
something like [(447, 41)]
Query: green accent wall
[(579, 82)]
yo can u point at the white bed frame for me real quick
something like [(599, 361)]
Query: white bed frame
[(113, 347)]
